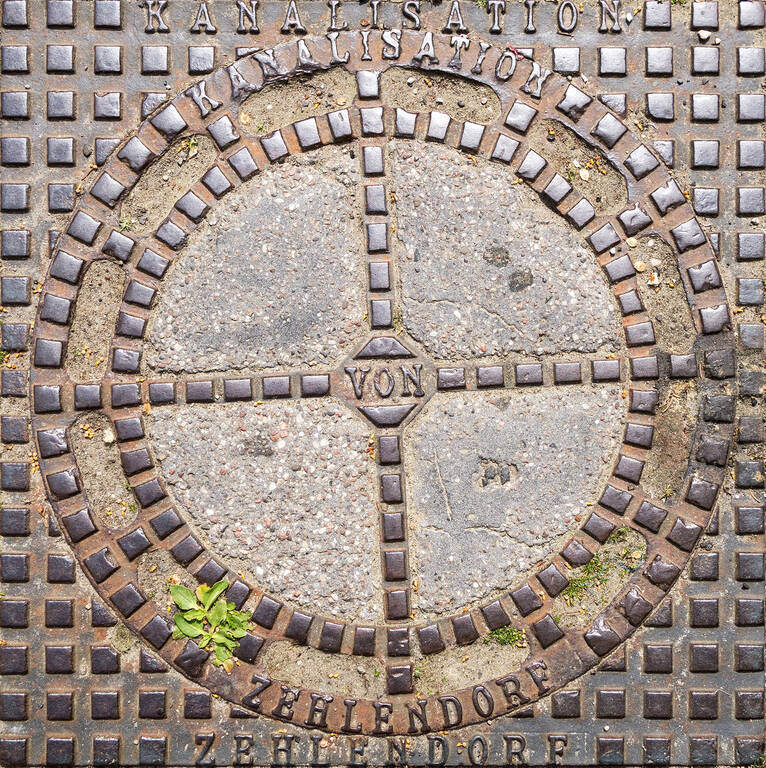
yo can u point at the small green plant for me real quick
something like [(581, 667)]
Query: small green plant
[(481, 3), (594, 572), (4, 355), (507, 636), (397, 320), (126, 223), (760, 762), (204, 614), (190, 146), (619, 534), (667, 493)]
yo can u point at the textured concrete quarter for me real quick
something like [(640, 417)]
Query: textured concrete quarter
[(271, 279), (480, 280), (285, 491), (382, 383), (497, 482)]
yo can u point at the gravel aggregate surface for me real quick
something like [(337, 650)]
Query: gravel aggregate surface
[(282, 491), (290, 294), (486, 268), (494, 483)]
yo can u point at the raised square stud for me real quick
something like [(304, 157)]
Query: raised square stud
[(750, 61), (368, 84), (107, 59), (660, 106), (14, 59), (60, 59), (372, 159), (520, 116), (704, 14), (659, 61), (154, 60), (705, 60), (705, 107), (566, 60), (201, 59), (612, 61), (751, 107)]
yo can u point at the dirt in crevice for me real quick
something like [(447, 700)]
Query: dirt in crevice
[(584, 166), (593, 586), (121, 638), (98, 459), (461, 99), (306, 667), (462, 666), (158, 569), (302, 97), (163, 183), (95, 315), (666, 463), (663, 295)]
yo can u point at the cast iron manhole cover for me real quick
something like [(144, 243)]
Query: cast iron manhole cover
[(411, 326)]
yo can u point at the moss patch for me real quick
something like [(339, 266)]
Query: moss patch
[(507, 636), (592, 586)]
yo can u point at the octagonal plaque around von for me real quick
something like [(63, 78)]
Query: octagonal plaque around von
[(426, 350)]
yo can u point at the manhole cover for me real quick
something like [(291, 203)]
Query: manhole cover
[(416, 336)]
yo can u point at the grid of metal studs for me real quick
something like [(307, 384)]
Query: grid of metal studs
[(655, 16), (684, 233)]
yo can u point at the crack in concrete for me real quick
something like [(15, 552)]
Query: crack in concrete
[(490, 312), (443, 487)]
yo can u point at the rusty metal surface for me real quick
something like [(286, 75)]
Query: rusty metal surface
[(671, 671)]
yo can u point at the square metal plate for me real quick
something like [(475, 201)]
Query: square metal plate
[(668, 97)]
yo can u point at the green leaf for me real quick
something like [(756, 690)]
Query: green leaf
[(189, 629), (214, 593), (206, 638), (201, 592), (222, 653), (195, 614), (183, 597), (237, 633), (224, 640), (235, 619), (217, 613), (177, 634)]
